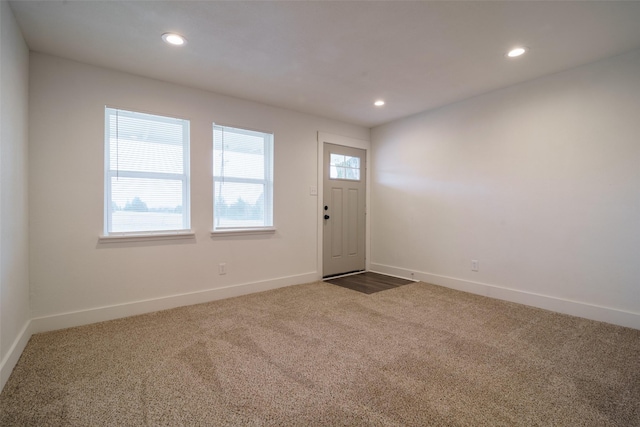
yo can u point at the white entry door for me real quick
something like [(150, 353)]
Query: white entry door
[(344, 210)]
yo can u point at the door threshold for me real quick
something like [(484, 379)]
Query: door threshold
[(337, 276)]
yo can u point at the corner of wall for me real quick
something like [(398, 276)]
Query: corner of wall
[(14, 230)]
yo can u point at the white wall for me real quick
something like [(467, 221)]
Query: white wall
[(71, 271), (14, 278), (540, 182)]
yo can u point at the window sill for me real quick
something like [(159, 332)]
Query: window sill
[(147, 237), (243, 231)]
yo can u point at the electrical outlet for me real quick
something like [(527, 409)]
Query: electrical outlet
[(313, 191), (475, 265), (222, 268)]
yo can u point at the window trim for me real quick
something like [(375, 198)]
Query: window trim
[(185, 178), (147, 236), (248, 231), (268, 182)]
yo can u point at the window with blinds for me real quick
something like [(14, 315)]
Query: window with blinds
[(243, 178), (146, 173)]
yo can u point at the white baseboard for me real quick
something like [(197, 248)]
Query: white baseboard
[(101, 314), (11, 359), (559, 305)]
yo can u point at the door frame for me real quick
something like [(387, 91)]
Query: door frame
[(347, 142)]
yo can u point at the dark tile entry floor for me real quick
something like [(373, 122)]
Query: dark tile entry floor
[(369, 282)]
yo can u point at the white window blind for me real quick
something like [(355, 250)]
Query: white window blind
[(243, 178), (146, 173)]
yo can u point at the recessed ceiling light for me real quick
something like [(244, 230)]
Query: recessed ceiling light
[(379, 103), (174, 39), (516, 52)]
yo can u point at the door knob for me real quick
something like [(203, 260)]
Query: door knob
[(326, 208), (326, 217)]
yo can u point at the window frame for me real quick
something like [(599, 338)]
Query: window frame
[(345, 168), (267, 180), (185, 231)]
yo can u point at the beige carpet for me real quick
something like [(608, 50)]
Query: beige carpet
[(319, 354)]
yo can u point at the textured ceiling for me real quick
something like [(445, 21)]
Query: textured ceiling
[(335, 58)]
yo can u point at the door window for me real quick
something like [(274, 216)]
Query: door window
[(344, 167)]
